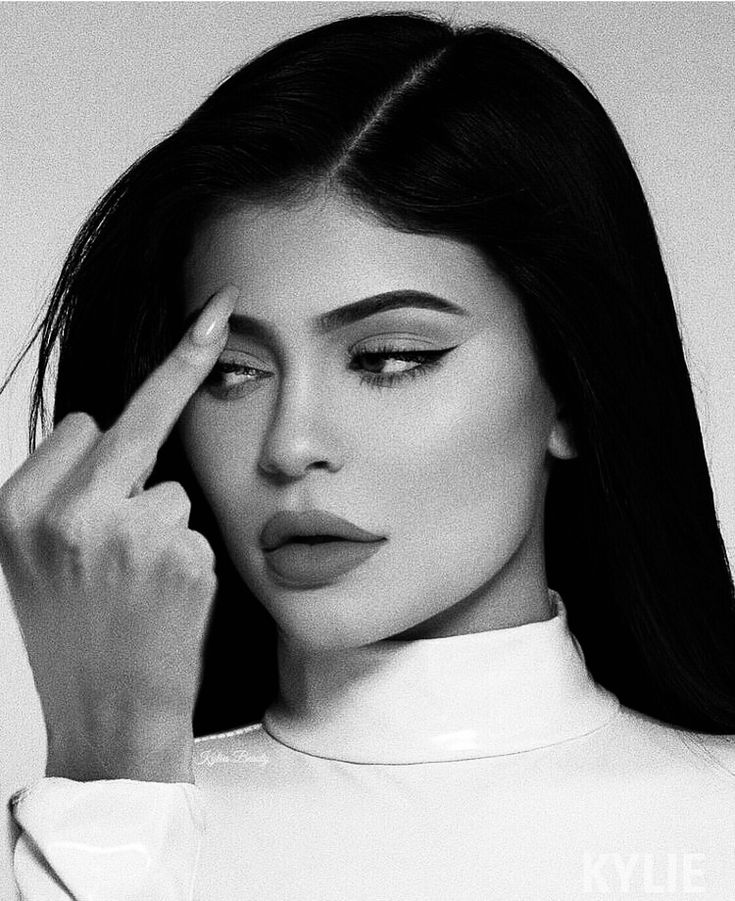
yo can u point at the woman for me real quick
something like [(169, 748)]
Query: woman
[(381, 198)]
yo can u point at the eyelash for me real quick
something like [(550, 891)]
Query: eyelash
[(428, 360)]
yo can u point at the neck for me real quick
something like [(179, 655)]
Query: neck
[(511, 606), (461, 696)]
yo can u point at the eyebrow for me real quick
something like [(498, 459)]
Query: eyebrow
[(353, 312)]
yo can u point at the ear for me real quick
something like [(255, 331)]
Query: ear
[(561, 442)]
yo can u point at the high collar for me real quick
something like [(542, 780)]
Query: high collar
[(457, 697)]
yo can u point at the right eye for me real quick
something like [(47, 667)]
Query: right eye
[(225, 378)]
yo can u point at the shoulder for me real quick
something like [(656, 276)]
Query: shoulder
[(674, 748), (719, 749)]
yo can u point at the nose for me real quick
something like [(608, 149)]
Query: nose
[(300, 437)]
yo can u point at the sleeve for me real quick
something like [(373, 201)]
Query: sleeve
[(107, 840)]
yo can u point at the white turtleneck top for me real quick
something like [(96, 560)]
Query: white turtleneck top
[(465, 768)]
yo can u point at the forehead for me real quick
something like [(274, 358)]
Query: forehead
[(326, 253)]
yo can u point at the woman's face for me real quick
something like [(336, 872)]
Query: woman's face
[(448, 461)]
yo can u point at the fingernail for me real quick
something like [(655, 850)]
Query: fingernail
[(212, 322)]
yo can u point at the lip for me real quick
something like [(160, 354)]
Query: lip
[(310, 566), (287, 524)]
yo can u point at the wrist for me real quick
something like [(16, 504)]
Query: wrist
[(148, 752)]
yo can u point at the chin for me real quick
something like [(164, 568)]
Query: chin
[(328, 629)]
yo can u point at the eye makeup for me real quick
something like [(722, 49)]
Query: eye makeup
[(427, 360), (218, 384)]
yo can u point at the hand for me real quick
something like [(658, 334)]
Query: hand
[(111, 588)]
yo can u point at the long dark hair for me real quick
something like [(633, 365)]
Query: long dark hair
[(477, 133)]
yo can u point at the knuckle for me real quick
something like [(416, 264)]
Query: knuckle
[(73, 436), (126, 532), (82, 422), (204, 549), (18, 502), (185, 564), (11, 513), (194, 556), (137, 547), (178, 492), (174, 498), (66, 527), (137, 526)]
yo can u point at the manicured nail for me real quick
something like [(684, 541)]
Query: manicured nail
[(212, 322)]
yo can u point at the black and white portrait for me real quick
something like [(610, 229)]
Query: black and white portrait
[(367, 492)]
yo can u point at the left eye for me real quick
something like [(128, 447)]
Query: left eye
[(221, 381), (426, 360)]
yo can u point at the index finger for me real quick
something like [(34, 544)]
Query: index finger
[(131, 445)]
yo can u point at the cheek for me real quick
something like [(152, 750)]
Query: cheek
[(480, 441), (461, 451), (216, 455)]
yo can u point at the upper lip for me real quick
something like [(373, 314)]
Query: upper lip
[(284, 526)]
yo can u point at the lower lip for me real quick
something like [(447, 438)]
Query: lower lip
[(309, 565)]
